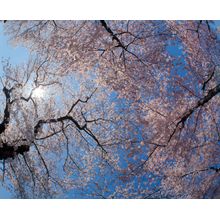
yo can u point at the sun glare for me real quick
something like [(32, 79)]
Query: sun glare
[(38, 92)]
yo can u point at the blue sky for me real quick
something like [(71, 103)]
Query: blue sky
[(16, 54)]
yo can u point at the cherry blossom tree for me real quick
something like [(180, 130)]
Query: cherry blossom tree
[(130, 109), (39, 130)]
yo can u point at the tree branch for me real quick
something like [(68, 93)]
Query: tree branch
[(211, 93), (6, 118)]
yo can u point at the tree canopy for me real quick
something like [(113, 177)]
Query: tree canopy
[(112, 109)]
